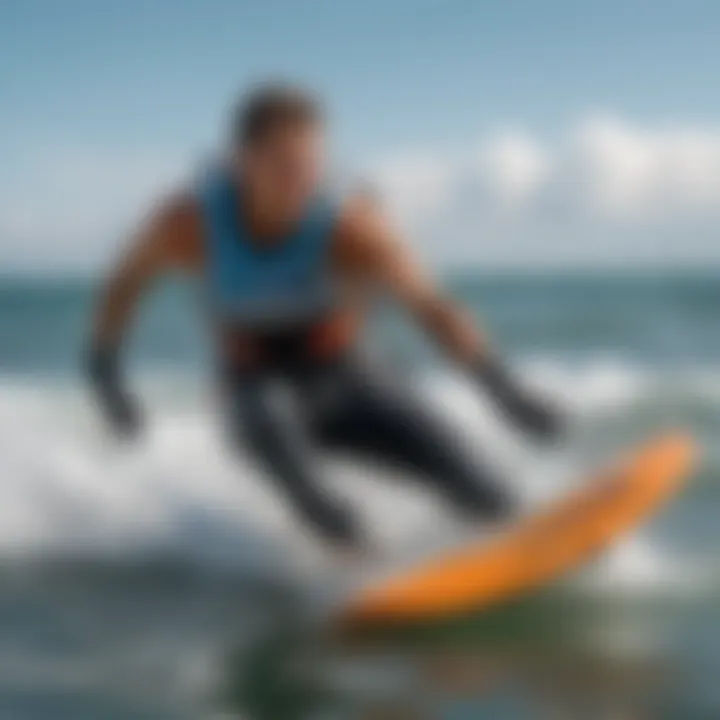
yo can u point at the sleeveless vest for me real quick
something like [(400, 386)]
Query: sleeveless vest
[(287, 284)]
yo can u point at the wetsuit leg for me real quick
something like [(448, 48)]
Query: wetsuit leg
[(276, 438), (373, 415)]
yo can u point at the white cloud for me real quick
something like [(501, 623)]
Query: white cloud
[(420, 184), (66, 209), (648, 172), (605, 191), (515, 166)]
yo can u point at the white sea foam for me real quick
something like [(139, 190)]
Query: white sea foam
[(639, 568), (67, 488)]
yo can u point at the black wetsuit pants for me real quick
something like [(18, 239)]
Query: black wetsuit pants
[(282, 420)]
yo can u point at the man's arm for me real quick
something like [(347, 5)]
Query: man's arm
[(169, 239), (371, 251), (368, 248)]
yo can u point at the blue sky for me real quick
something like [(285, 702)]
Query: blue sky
[(161, 71), (123, 78)]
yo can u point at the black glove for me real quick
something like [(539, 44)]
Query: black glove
[(120, 407), (531, 414)]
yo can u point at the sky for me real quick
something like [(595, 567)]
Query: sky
[(514, 133)]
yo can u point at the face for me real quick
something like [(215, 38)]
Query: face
[(284, 168)]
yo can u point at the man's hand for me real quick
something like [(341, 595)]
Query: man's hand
[(120, 407), (534, 415)]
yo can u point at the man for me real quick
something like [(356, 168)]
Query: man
[(286, 272)]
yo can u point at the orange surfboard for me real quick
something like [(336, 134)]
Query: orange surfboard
[(536, 550)]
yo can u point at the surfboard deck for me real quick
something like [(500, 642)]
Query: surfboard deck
[(537, 549)]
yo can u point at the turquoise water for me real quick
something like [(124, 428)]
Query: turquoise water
[(166, 580), (657, 318)]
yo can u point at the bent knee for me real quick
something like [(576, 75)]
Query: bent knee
[(484, 499)]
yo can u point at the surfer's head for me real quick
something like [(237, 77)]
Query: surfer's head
[(278, 139)]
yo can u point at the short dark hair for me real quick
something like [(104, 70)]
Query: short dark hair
[(270, 106)]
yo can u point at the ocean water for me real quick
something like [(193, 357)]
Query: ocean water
[(166, 579)]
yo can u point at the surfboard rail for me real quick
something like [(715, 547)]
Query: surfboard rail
[(537, 549)]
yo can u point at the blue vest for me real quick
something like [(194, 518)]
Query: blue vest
[(265, 287)]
